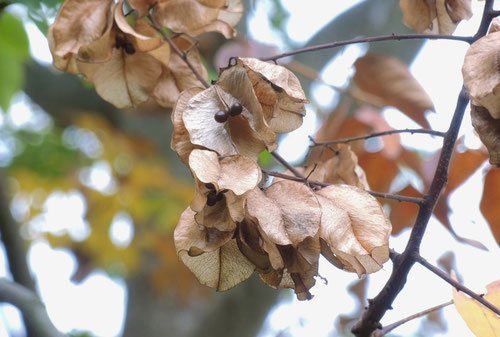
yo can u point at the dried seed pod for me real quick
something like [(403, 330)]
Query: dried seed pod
[(221, 116)]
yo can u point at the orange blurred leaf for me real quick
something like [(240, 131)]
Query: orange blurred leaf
[(490, 201)]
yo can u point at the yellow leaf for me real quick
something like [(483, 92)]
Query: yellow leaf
[(482, 321)]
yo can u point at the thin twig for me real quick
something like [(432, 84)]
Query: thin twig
[(377, 134), (388, 328), (286, 164), (370, 320), (391, 196), (391, 37), (30, 305), (179, 52), (455, 284)]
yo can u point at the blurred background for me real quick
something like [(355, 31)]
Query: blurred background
[(90, 195)]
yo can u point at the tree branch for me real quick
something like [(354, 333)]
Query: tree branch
[(396, 197), (391, 37), (388, 328), (179, 52), (370, 319), (455, 284), (30, 305), (377, 134), (286, 164)]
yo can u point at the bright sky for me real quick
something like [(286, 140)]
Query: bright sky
[(98, 304)]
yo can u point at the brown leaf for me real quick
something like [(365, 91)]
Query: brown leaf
[(462, 166), (436, 16), (78, 23), (177, 76), (237, 173), (195, 239), (481, 73), (235, 136), (387, 81), (180, 142), (354, 226), (268, 90), (488, 130), (222, 268), (490, 201), (287, 213), (124, 80), (195, 17), (403, 214), (374, 163)]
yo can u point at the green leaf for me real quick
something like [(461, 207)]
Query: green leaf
[(265, 159), (14, 51), (13, 38)]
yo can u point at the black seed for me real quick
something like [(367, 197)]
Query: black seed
[(129, 48), (219, 196), (221, 116), (210, 186), (235, 109), (212, 198)]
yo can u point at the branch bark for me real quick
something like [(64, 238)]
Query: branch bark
[(27, 301)]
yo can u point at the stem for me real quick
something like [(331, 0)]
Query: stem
[(402, 265), (30, 305), (179, 52), (391, 37), (378, 134), (286, 164), (455, 284), (388, 328), (400, 198)]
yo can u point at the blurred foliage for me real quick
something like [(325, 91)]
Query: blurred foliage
[(41, 11), (14, 52)]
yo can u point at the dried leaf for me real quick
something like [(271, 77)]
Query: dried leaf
[(481, 73), (373, 163), (195, 239), (230, 138), (78, 23), (488, 130), (403, 214), (287, 213), (177, 76), (180, 142), (124, 80), (222, 268), (391, 83), (195, 17), (481, 320), (436, 16), (355, 228), (271, 92), (490, 200), (238, 174)]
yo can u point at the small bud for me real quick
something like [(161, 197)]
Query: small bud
[(235, 109), (221, 116)]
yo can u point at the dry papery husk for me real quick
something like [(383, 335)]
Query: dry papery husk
[(354, 230), (488, 129)]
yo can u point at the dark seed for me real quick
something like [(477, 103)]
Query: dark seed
[(129, 48), (221, 116), (235, 109), (210, 186), (219, 196), (212, 198)]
